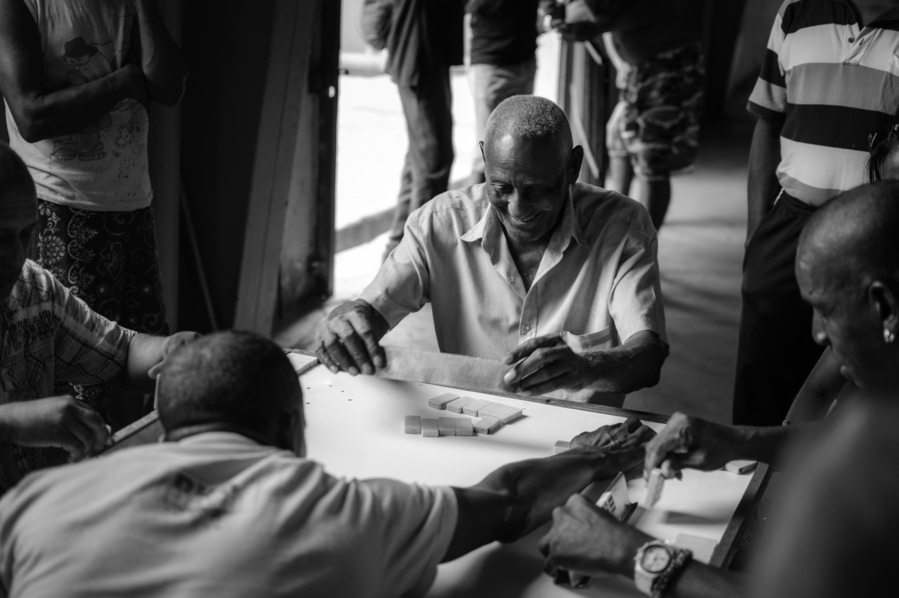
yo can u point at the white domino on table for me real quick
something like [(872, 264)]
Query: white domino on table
[(446, 426), (505, 413), (561, 446), (654, 487), (439, 402), (463, 426), (429, 427), (488, 425), (457, 405), (412, 425), (474, 406)]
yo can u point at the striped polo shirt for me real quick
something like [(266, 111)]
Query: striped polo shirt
[(832, 83)]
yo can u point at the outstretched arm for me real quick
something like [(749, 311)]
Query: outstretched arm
[(146, 354), (39, 112), (160, 57), (517, 498)]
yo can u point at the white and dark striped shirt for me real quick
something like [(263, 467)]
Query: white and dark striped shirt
[(832, 83)]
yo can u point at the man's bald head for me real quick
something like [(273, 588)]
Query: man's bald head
[(237, 381), (532, 118), (14, 174), (847, 267), (857, 233)]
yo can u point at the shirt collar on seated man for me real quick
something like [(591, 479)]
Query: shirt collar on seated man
[(488, 231)]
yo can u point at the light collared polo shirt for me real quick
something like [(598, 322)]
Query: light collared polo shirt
[(832, 83), (218, 515), (48, 335), (598, 281)]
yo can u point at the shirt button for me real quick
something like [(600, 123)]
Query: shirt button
[(851, 40), (526, 328), (512, 278)]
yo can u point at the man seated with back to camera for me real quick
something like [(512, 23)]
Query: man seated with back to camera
[(557, 278), (229, 505)]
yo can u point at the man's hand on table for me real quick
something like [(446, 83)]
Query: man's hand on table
[(349, 339), (629, 434), (691, 442), (585, 540), (545, 364), (61, 422)]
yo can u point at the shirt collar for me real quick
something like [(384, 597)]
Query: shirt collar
[(486, 229)]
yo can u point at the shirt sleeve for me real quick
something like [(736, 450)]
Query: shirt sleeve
[(835, 533), (89, 349), (769, 96), (417, 524), (636, 301), (402, 284)]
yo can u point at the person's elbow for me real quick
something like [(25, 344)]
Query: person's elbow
[(31, 120), (648, 365)]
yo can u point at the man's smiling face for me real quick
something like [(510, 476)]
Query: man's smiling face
[(527, 184)]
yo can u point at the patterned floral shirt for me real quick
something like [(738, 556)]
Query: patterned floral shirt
[(48, 335)]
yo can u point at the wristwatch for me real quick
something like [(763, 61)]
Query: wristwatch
[(656, 565)]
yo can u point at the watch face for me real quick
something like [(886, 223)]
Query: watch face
[(655, 559)]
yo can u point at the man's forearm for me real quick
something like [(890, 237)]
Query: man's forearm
[(45, 115), (144, 352), (535, 487), (769, 444), (160, 57), (764, 157), (627, 368)]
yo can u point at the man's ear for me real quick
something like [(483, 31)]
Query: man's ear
[(574, 164), (483, 153), (886, 305)]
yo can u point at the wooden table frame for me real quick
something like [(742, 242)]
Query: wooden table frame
[(148, 430)]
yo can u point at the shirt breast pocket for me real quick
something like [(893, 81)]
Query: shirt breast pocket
[(593, 341)]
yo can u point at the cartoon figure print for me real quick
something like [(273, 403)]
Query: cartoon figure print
[(85, 145)]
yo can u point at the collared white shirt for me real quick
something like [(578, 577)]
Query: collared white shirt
[(218, 515), (598, 280)]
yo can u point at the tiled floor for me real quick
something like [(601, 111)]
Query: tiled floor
[(701, 245)]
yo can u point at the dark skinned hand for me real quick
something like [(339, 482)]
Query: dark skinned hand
[(691, 442), (349, 339), (545, 364), (585, 541), (628, 434), (63, 422)]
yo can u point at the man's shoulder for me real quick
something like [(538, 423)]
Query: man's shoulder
[(599, 209), (464, 207)]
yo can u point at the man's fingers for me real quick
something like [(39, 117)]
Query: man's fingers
[(96, 428), (563, 381), (549, 371), (335, 349), (372, 346), (325, 358), (527, 347), (354, 346)]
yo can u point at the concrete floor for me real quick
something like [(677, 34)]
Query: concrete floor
[(701, 244)]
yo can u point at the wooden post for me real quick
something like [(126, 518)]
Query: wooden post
[(276, 146)]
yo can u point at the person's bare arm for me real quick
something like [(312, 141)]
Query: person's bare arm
[(587, 541), (548, 364), (517, 498), (146, 354), (160, 57), (762, 185), (39, 112)]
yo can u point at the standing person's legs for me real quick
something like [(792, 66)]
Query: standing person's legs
[(775, 351), (429, 159), (661, 123), (101, 257), (490, 85)]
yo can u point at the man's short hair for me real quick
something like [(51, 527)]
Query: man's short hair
[(530, 117), (233, 378), (13, 172)]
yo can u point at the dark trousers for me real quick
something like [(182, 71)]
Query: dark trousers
[(776, 351), (428, 108)]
